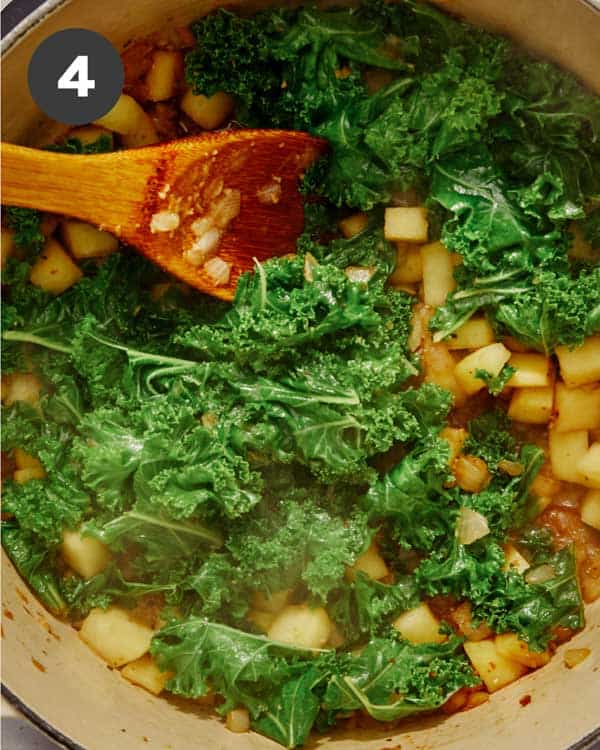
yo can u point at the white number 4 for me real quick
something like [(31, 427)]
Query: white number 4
[(76, 78)]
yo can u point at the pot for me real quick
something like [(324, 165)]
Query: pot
[(58, 682)]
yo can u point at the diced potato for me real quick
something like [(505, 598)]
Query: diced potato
[(273, 602), (84, 554), (531, 405), (474, 334), (582, 365), (7, 245), (409, 264), (406, 223), (86, 241), (162, 78), (144, 135), (577, 408), (208, 112), (514, 559), (589, 466), (22, 476), (54, 271), (590, 509), (491, 358), (438, 367), (455, 437), (438, 274), (419, 625), (302, 626), (532, 370), (566, 450), (471, 473), (115, 636), (145, 673), (24, 460), (371, 563), (512, 647), (262, 620), (462, 616), (21, 386), (495, 670), (353, 224), (124, 117), (238, 720), (89, 134)]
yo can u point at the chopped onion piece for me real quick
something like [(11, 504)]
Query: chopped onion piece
[(540, 574), (203, 247), (226, 208), (471, 526), (359, 273), (218, 270)]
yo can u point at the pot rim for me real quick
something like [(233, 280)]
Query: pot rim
[(18, 18)]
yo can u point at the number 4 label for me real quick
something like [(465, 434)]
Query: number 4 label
[(76, 78)]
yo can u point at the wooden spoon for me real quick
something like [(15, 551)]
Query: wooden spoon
[(232, 194)]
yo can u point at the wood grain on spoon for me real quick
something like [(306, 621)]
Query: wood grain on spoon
[(230, 194)]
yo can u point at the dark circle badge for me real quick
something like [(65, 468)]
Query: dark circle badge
[(75, 76)]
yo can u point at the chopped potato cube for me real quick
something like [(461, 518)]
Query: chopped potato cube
[(406, 223), (455, 437), (371, 563), (514, 559), (353, 224), (438, 274), (54, 271), (22, 476), (238, 720), (494, 669), (302, 626), (144, 135), (208, 112), (419, 625), (262, 620), (115, 636), (590, 509), (85, 241), (21, 386), (577, 408), (575, 656), (582, 365), (474, 334), (162, 78), (145, 673), (7, 245), (84, 554), (532, 370), (409, 264), (531, 405), (89, 134), (271, 602), (491, 358), (124, 117), (25, 460), (512, 647), (566, 450), (439, 368), (589, 466)]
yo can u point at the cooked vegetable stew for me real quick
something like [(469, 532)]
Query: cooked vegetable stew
[(371, 486)]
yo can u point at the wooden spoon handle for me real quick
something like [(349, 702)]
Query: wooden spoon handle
[(92, 187)]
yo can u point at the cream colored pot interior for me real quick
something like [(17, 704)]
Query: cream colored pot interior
[(59, 679)]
